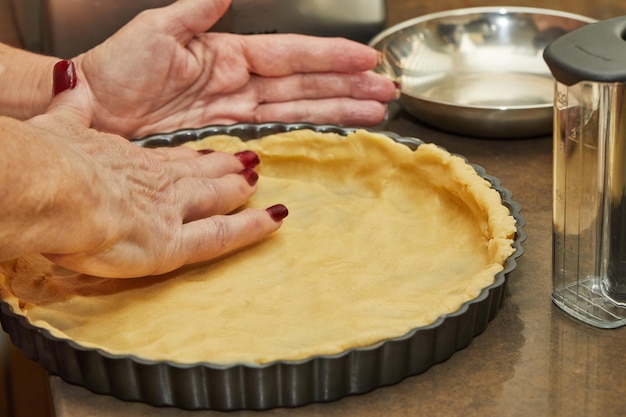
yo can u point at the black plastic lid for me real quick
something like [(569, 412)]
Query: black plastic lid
[(596, 52)]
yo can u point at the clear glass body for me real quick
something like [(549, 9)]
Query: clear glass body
[(589, 218)]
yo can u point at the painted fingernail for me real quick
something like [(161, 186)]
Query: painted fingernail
[(205, 151), (398, 91), (277, 212), (249, 159), (250, 175), (63, 76)]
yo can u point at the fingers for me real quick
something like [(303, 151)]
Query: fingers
[(186, 18), (330, 111), (212, 237), (361, 85), (204, 197), (186, 162), (210, 184), (198, 241), (186, 220), (176, 153), (280, 55)]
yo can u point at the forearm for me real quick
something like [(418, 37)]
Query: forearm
[(38, 185), (25, 82)]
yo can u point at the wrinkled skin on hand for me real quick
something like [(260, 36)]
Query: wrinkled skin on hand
[(96, 203), (162, 72)]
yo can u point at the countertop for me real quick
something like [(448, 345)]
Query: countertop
[(532, 360)]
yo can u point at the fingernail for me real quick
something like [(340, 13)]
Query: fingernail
[(380, 58), (277, 212), (398, 89), (205, 151), (249, 159), (250, 175), (63, 76)]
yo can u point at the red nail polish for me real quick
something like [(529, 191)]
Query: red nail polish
[(398, 92), (205, 151), (249, 159), (63, 76), (277, 212), (250, 175)]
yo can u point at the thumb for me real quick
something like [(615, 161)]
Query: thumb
[(188, 18), (69, 99)]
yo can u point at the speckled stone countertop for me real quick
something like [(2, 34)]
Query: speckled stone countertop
[(532, 360)]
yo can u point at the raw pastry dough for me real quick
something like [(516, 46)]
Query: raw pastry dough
[(380, 239)]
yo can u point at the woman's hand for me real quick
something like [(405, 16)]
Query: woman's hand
[(98, 204), (162, 72)]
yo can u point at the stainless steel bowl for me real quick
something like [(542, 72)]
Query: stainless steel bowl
[(477, 71)]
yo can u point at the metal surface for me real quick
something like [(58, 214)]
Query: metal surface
[(477, 71), (277, 384), (66, 28)]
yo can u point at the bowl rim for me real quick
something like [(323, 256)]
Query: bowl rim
[(503, 10), (477, 10)]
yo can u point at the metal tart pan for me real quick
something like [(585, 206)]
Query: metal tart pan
[(277, 384)]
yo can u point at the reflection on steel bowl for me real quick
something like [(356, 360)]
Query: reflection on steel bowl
[(477, 71)]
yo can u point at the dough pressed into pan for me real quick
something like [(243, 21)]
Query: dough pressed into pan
[(380, 239)]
